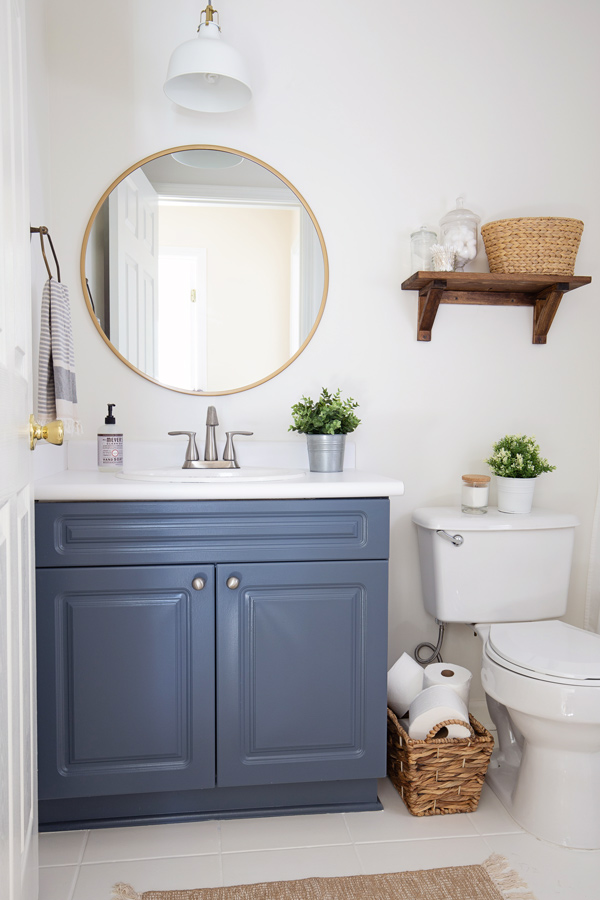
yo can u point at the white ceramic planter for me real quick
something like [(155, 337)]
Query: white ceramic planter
[(515, 495)]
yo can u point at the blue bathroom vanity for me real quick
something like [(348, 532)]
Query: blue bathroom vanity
[(210, 657)]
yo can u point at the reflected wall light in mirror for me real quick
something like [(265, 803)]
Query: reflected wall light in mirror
[(206, 74), (204, 278), (207, 159)]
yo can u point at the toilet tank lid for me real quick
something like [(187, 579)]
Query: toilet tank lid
[(550, 647), (450, 518)]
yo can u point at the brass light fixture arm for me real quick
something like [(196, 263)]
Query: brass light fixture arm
[(209, 16)]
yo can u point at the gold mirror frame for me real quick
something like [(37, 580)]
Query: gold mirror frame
[(287, 183)]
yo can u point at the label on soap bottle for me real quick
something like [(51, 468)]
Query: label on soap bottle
[(110, 450)]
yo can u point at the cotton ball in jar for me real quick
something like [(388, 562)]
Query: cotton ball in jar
[(459, 230)]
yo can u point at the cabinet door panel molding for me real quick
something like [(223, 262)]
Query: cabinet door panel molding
[(124, 704), (299, 696), (155, 532)]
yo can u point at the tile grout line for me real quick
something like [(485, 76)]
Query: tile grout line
[(128, 859), (361, 865), (83, 847), (345, 820), (356, 854), (450, 837), (84, 844), (74, 881), (282, 849), (220, 837), (290, 847)]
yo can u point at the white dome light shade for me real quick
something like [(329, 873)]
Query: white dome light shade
[(207, 75), (207, 159)]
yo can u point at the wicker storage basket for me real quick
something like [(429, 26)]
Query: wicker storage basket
[(438, 775), (537, 246)]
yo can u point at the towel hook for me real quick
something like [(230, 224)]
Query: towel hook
[(42, 230)]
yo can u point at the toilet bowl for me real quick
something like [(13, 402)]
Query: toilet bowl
[(546, 768), (541, 676)]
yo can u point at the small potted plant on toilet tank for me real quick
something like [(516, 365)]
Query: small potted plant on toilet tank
[(325, 424), (516, 462)]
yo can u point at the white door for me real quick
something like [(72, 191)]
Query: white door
[(18, 785), (133, 270), (182, 326)]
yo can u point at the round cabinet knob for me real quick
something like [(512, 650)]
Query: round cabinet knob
[(233, 582), (198, 584)]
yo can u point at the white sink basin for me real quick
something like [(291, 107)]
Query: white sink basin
[(177, 475)]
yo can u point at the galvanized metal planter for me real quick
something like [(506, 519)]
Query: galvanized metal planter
[(326, 452)]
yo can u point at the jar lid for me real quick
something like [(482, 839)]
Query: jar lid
[(460, 214), (476, 480), (423, 230)]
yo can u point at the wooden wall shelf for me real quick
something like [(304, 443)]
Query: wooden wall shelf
[(542, 292)]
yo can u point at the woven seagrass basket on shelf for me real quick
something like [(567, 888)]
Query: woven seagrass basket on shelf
[(437, 776), (536, 246)]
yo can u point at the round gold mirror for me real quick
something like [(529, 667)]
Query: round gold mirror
[(204, 270)]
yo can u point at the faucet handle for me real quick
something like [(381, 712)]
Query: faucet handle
[(229, 451), (191, 454)]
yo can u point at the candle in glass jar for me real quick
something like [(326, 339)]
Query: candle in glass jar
[(475, 494)]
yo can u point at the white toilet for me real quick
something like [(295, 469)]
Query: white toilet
[(508, 575)]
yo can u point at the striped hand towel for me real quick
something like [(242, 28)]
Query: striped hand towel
[(57, 390)]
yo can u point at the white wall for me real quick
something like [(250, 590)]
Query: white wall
[(380, 114), (47, 458), (39, 150)]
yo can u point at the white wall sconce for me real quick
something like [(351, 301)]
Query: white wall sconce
[(206, 74)]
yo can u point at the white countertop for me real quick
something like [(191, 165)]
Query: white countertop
[(75, 485), (79, 478)]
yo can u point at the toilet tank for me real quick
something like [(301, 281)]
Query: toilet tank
[(508, 568)]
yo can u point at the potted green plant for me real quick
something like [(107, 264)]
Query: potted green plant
[(516, 462), (325, 424)]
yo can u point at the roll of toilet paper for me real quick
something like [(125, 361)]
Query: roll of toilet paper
[(449, 675), (404, 682), (434, 705)]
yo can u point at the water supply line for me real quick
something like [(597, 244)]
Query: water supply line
[(436, 650)]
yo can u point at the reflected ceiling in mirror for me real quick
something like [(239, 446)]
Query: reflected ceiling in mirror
[(204, 270)]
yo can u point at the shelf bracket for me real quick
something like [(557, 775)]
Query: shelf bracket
[(546, 305), (542, 292), (430, 298)]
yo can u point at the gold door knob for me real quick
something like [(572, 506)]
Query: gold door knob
[(53, 432), (198, 584)]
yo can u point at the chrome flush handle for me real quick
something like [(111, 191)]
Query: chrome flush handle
[(456, 539)]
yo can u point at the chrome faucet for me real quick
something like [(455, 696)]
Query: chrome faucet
[(210, 444), (211, 457)]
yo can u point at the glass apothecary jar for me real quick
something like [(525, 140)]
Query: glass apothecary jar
[(475, 492), (458, 229), (421, 242)]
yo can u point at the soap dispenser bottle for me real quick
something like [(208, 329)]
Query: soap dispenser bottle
[(110, 444)]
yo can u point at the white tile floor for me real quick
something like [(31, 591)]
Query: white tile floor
[(83, 865)]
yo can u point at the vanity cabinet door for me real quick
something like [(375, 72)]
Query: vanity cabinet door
[(125, 680), (301, 672)]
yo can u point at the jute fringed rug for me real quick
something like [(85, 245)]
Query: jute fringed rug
[(493, 880)]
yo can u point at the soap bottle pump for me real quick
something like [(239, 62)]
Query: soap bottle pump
[(110, 444)]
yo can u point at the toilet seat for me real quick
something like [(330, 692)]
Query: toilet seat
[(547, 650)]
